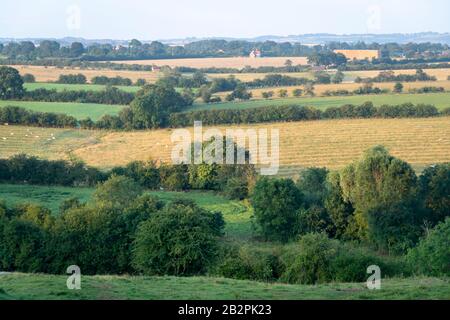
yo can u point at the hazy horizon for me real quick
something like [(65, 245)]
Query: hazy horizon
[(168, 19)]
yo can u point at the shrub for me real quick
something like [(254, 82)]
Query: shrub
[(236, 189), (432, 254), (315, 219), (309, 260), (275, 204), (434, 184), (117, 192), (28, 78), (247, 263), (179, 240), (21, 246), (72, 79), (350, 264)]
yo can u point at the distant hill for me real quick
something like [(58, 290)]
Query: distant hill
[(316, 38)]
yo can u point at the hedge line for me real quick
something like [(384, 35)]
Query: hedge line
[(22, 116)]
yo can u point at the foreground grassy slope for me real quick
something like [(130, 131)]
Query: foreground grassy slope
[(78, 110), (440, 100), (236, 214), (48, 287)]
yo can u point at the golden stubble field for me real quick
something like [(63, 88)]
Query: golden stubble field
[(50, 74), (231, 62), (329, 143)]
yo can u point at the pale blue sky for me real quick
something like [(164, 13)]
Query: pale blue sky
[(148, 20)]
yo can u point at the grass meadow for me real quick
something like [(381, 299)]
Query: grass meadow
[(440, 100), (78, 110), (51, 287), (236, 213)]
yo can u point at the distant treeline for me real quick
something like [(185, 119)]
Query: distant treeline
[(298, 113), (390, 64), (27, 50), (110, 95), (390, 76)]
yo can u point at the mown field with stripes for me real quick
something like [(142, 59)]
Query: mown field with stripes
[(328, 143)]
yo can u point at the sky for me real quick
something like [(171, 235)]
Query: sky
[(168, 19)]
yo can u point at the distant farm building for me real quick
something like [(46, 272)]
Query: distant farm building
[(255, 53), (156, 68), (359, 54)]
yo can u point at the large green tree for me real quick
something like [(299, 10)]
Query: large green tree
[(11, 84), (275, 203), (153, 105)]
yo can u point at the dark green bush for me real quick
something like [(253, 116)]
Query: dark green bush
[(248, 263), (310, 260), (182, 239), (22, 246), (432, 254)]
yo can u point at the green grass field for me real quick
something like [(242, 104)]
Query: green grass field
[(236, 214), (49, 287), (77, 110), (440, 100), (87, 87)]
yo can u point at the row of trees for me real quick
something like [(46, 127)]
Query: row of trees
[(233, 181), (111, 95), (27, 50), (143, 115), (297, 113), (390, 76)]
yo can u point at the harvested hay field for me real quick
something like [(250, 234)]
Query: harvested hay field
[(47, 74), (329, 143), (232, 62)]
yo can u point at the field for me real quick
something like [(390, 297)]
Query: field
[(330, 143), (236, 214), (440, 100), (78, 110), (48, 287), (50, 197), (86, 87), (47, 74), (232, 62)]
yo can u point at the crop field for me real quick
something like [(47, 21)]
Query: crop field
[(86, 87), (78, 110), (50, 287), (236, 213), (440, 100), (329, 143), (320, 89), (47, 74), (232, 62)]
